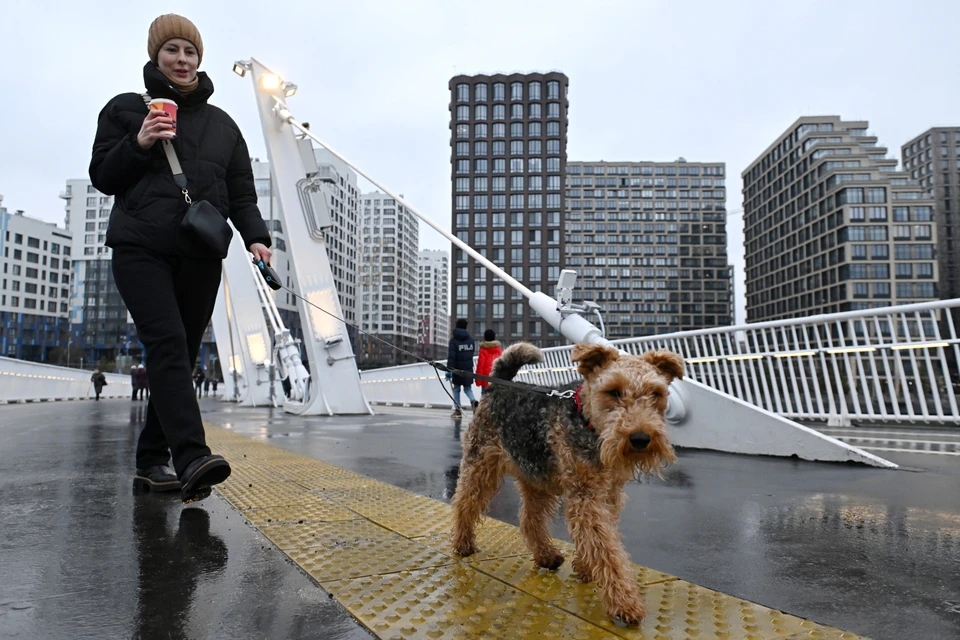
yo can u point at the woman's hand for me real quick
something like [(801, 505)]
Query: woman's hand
[(156, 126), (261, 253)]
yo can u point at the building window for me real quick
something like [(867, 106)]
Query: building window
[(534, 147), (876, 194), (516, 147), (499, 130), (499, 147), (463, 148), (516, 91), (499, 112), (553, 128), (480, 148), (553, 90), (463, 92), (535, 165), (463, 166), (480, 112), (463, 131), (462, 185), (553, 110), (479, 131), (499, 166), (533, 90), (479, 183), (553, 146), (553, 165), (480, 165), (535, 110), (480, 92), (516, 112), (463, 112), (498, 91)]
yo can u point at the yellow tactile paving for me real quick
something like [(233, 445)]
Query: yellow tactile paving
[(384, 554)]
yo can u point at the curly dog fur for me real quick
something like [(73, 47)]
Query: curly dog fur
[(585, 455)]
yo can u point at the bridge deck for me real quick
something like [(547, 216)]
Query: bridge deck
[(360, 505)]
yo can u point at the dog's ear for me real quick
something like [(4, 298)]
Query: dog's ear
[(592, 357), (669, 364)]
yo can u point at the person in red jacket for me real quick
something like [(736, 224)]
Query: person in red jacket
[(490, 350)]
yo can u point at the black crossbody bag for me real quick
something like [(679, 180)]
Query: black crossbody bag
[(202, 218)]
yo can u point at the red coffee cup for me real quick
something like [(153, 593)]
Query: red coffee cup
[(170, 107)]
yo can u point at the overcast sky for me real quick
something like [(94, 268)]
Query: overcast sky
[(709, 81)]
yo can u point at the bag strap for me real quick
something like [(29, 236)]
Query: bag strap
[(178, 177)]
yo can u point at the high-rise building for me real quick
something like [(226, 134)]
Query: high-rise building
[(388, 282), (101, 325), (649, 243), (433, 330), (35, 289), (509, 152), (831, 225), (933, 159)]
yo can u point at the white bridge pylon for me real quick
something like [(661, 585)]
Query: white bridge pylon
[(692, 408)]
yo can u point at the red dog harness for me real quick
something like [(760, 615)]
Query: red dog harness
[(579, 401)]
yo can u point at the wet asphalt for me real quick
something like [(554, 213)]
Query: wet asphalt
[(82, 557), (871, 551)]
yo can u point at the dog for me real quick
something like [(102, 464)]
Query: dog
[(582, 449)]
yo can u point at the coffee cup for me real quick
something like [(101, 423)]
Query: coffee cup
[(170, 107)]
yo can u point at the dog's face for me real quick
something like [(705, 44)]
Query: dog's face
[(625, 397)]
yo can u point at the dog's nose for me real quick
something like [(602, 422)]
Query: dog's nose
[(639, 440)]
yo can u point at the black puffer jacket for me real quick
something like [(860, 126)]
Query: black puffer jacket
[(460, 354), (149, 207)]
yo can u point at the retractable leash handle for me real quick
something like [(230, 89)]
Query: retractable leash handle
[(269, 275)]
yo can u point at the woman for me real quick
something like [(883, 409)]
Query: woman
[(169, 279)]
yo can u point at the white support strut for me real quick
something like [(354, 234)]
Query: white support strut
[(334, 381)]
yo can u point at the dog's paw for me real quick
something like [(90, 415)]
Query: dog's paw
[(465, 549), (582, 571), (629, 613), (551, 562)]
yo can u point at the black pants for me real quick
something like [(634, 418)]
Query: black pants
[(171, 300)]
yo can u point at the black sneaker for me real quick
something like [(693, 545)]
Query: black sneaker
[(200, 475), (157, 478), (475, 403)]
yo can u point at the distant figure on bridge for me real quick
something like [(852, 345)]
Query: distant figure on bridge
[(198, 377), (168, 274), (134, 383), (144, 382), (140, 383), (99, 382), (490, 350), (460, 356)]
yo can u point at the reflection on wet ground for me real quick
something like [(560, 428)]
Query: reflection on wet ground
[(82, 557), (872, 551)]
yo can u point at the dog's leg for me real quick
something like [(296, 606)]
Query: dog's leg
[(480, 479), (616, 499), (535, 513), (600, 553)]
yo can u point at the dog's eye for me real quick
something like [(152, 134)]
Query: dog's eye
[(615, 394)]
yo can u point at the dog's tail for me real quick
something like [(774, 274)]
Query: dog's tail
[(509, 363)]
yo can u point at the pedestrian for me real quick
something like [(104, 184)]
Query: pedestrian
[(490, 350), (169, 276), (142, 384), (99, 382), (134, 383), (198, 377), (207, 380), (216, 380), (460, 354)]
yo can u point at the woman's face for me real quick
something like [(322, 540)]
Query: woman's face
[(178, 60)]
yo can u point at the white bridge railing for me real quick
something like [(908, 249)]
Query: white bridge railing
[(22, 381), (894, 364)]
